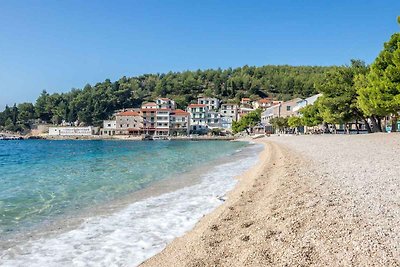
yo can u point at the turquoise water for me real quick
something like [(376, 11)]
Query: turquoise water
[(42, 180)]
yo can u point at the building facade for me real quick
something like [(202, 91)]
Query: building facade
[(179, 123), (198, 117), (212, 103), (129, 123), (71, 131), (109, 127)]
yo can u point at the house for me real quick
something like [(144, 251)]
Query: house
[(129, 122), (71, 131), (246, 102), (229, 113), (198, 117), (263, 103), (165, 103), (179, 122), (149, 105), (210, 102), (109, 127)]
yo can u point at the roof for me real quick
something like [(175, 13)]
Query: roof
[(180, 112), (128, 113), (265, 100), (246, 99), (196, 106), (149, 104)]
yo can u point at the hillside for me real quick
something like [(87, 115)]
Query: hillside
[(92, 104)]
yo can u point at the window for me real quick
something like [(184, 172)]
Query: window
[(120, 125), (127, 125), (287, 108), (109, 125)]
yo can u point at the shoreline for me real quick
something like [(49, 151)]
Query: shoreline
[(127, 138), (177, 252), (302, 205), (199, 196)]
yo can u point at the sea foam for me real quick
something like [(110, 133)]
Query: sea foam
[(137, 232)]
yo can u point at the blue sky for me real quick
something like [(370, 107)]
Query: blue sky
[(58, 45)]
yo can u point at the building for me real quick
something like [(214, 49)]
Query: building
[(229, 113), (129, 122), (149, 105), (109, 127), (210, 102), (214, 119), (198, 118), (71, 131), (244, 110), (179, 123), (305, 102), (246, 102), (162, 122), (282, 109), (148, 112), (165, 103), (263, 103)]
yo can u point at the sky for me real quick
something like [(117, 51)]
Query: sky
[(59, 45)]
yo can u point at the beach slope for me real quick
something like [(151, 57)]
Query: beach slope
[(310, 201)]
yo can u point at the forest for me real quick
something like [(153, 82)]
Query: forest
[(94, 103)]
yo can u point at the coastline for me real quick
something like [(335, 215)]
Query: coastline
[(180, 206), (300, 205)]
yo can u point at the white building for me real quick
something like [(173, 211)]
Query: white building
[(211, 102), (229, 113), (305, 102), (71, 131), (198, 117), (214, 119), (162, 122), (165, 103), (109, 127)]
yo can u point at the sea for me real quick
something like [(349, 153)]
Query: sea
[(108, 203)]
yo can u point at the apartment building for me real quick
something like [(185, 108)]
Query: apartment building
[(229, 113), (214, 119), (211, 102), (129, 122), (198, 117), (165, 103), (162, 122), (179, 122)]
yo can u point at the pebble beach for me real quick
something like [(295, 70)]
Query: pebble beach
[(329, 200)]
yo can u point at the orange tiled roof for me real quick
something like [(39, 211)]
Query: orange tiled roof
[(128, 113), (265, 100)]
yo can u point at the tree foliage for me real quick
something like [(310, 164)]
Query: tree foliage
[(247, 121), (94, 103)]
